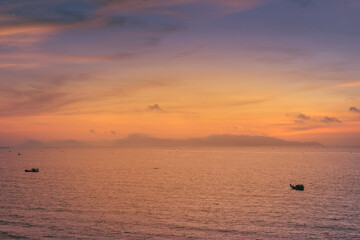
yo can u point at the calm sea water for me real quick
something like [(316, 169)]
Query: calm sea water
[(179, 194)]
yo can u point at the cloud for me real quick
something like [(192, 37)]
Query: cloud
[(53, 57), (92, 131), (44, 95), (33, 99), (18, 65), (26, 23), (23, 24), (250, 102), (305, 122), (178, 7), (31, 20), (155, 108), (354, 109), (41, 17), (303, 116), (187, 53), (348, 84), (327, 119)]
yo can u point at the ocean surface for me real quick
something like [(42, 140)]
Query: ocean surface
[(188, 193)]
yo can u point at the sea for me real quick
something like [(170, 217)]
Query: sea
[(180, 193)]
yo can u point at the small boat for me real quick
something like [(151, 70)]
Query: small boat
[(298, 187), (32, 170)]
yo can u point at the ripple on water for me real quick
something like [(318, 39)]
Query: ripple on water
[(193, 194)]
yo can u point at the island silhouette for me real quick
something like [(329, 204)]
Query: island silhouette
[(143, 140)]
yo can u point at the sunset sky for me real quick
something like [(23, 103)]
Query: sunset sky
[(94, 70)]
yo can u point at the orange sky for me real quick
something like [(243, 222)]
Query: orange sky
[(101, 70)]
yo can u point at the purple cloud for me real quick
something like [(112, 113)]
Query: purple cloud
[(327, 119), (354, 109)]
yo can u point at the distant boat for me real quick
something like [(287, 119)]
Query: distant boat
[(298, 187), (32, 170)]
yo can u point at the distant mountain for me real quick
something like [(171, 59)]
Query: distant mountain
[(142, 140), (31, 143), (224, 140)]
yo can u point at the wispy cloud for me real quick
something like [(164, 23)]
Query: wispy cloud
[(18, 65), (223, 6), (187, 53), (250, 102), (54, 95), (41, 17), (24, 24), (28, 22), (354, 109), (326, 86), (304, 122), (33, 99), (155, 108), (38, 17), (303, 116), (51, 57), (44, 17), (348, 84), (327, 119)]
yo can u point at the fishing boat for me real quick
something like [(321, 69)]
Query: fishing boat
[(32, 170), (298, 187)]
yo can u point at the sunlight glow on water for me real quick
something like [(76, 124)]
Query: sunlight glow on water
[(179, 194)]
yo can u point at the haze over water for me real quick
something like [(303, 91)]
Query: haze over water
[(180, 193)]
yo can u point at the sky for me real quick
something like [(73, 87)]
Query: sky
[(92, 70)]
